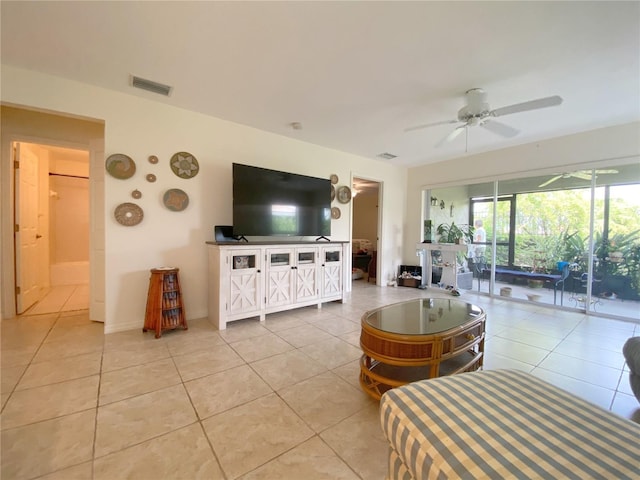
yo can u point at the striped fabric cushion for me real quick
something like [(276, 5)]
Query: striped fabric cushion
[(397, 469), (503, 424)]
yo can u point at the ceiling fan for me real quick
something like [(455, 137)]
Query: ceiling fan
[(478, 113), (582, 174)]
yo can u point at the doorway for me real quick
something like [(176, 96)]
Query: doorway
[(51, 211), (52, 129), (365, 230)]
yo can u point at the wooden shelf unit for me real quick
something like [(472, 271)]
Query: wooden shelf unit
[(165, 310)]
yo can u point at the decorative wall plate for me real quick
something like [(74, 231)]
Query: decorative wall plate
[(136, 194), (153, 159), (335, 213), (184, 165), (151, 177), (128, 214), (334, 178), (120, 166), (175, 199), (344, 194), (333, 193)]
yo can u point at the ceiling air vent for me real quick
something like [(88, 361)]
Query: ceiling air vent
[(150, 86), (387, 156)]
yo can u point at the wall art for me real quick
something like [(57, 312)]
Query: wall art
[(175, 199), (184, 165), (120, 166), (128, 214)]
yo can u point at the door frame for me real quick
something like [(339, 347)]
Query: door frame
[(7, 197), (379, 242)]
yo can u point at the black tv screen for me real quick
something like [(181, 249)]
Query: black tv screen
[(269, 203)]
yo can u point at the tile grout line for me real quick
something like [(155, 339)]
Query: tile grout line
[(95, 420), (199, 420), (13, 390), (245, 362)]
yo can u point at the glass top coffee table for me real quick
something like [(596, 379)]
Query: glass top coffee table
[(419, 339)]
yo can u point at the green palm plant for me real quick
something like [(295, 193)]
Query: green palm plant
[(452, 233)]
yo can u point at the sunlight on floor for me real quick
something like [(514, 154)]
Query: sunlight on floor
[(64, 298)]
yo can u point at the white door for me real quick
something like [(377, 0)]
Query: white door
[(245, 288), (306, 274), (279, 277), (27, 237), (332, 272)]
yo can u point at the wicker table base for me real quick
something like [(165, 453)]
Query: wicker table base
[(391, 358)]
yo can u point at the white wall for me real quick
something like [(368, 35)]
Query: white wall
[(139, 128), (456, 196), (603, 147), (69, 209)]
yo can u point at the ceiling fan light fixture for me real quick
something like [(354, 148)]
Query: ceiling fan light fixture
[(477, 112)]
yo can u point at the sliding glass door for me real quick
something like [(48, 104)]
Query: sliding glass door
[(571, 240)]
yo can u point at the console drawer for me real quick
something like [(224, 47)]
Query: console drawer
[(463, 340)]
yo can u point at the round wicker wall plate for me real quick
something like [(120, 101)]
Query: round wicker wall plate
[(184, 165), (344, 194), (120, 166), (128, 214), (153, 159), (333, 178), (335, 213), (175, 199), (136, 194), (333, 193)]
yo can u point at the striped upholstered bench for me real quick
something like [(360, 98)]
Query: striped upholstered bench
[(503, 424)]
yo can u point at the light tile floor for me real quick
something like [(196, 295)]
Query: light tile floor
[(277, 400), (61, 298), (628, 309)]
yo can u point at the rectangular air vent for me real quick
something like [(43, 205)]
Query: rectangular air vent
[(150, 86), (387, 156)]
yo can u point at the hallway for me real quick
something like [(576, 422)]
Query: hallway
[(62, 298)]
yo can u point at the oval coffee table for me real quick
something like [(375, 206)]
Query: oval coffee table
[(419, 339)]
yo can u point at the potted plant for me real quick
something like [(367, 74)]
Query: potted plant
[(452, 233)]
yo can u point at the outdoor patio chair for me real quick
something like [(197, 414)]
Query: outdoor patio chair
[(477, 266)]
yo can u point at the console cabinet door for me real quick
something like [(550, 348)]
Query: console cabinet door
[(306, 274), (331, 271), (280, 276), (245, 287)]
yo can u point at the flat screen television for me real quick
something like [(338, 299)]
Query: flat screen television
[(274, 203)]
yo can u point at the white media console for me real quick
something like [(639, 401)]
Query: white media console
[(254, 279)]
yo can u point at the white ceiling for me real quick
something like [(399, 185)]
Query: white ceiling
[(355, 74)]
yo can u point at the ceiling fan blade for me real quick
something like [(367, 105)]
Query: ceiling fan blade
[(457, 131), (500, 129), (551, 180), (530, 105), (581, 175), (427, 125), (607, 171)]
